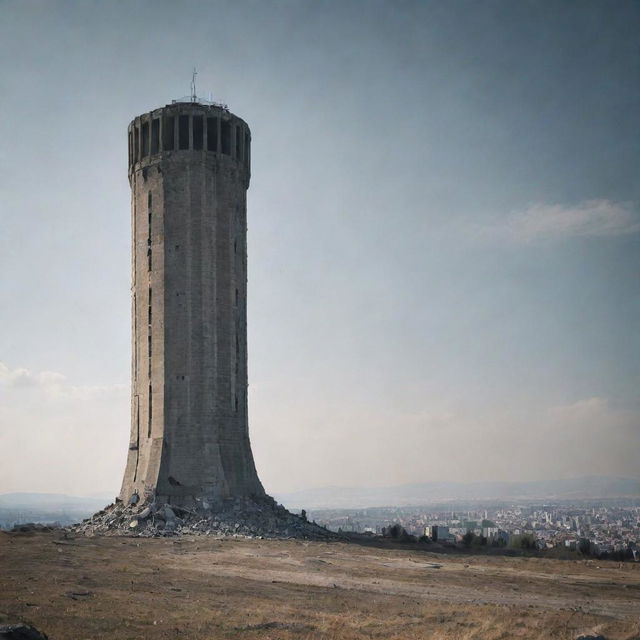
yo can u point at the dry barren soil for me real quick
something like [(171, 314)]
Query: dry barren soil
[(113, 587)]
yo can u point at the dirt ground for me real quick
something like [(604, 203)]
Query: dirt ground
[(204, 588)]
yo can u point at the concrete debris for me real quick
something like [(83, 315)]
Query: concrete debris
[(145, 513), (255, 517), (20, 632)]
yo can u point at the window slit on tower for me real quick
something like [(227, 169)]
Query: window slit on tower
[(237, 355), (198, 132), (225, 133), (137, 444), (239, 143), (135, 332), (149, 309), (149, 256), (155, 135), (212, 134), (149, 353), (136, 144), (246, 149), (150, 412), (145, 139), (183, 132), (167, 134), (130, 147), (137, 436)]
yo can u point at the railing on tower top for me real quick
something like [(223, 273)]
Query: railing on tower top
[(197, 100)]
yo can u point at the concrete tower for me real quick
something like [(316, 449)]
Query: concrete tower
[(189, 167)]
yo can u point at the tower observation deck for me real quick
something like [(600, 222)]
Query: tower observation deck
[(189, 171)]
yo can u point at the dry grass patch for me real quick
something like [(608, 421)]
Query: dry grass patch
[(210, 588)]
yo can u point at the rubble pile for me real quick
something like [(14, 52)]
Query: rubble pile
[(245, 517)]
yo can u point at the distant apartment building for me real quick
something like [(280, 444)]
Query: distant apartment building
[(438, 533)]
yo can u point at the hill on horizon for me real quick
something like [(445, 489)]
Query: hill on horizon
[(32, 500), (582, 488)]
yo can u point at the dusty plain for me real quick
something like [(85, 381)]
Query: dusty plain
[(204, 588)]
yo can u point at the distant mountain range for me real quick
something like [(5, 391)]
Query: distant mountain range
[(56, 501), (18, 508), (585, 488), (588, 487)]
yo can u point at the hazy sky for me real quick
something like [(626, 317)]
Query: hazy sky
[(444, 233)]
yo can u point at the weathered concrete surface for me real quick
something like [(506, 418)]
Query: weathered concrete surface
[(189, 424)]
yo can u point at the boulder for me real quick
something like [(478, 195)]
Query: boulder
[(20, 632)]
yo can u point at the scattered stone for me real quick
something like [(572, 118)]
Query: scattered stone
[(133, 524), (145, 513), (20, 632), (28, 527), (78, 594), (297, 627)]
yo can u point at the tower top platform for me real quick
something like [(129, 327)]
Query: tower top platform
[(189, 125)]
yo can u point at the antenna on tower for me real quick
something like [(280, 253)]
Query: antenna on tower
[(193, 86)]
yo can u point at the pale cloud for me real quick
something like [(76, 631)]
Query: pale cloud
[(301, 446), (598, 419), (586, 409), (595, 435), (591, 218), (69, 438), (55, 385), (61, 437)]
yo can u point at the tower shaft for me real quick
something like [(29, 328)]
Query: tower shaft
[(189, 174)]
